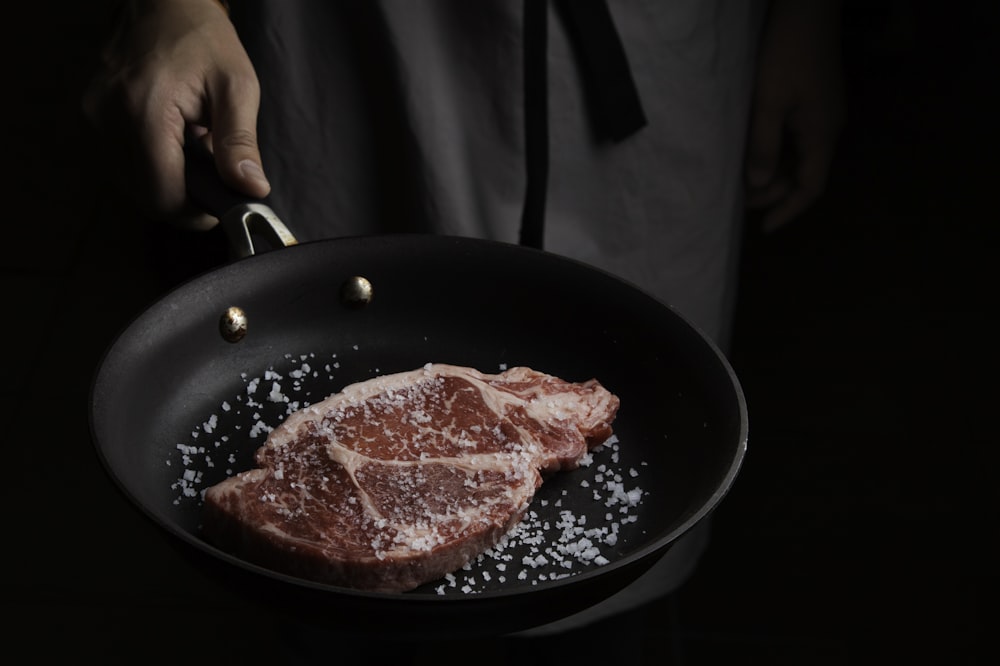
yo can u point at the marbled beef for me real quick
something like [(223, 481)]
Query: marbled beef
[(398, 480)]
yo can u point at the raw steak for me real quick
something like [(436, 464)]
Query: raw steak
[(398, 480)]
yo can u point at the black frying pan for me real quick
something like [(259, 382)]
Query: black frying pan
[(682, 425)]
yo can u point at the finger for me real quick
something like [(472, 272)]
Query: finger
[(806, 191), (194, 220), (194, 217), (160, 159), (166, 184), (815, 162), (764, 145), (785, 211), (809, 181), (770, 194), (136, 126), (234, 136)]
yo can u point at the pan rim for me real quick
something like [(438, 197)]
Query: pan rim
[(644, 553)]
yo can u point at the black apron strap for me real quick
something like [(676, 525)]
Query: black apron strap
[(612, 95), (607, 76), (536, 121)]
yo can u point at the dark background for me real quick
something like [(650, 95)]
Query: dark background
[(861, 528)]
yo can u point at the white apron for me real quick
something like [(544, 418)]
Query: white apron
[(403, 115)]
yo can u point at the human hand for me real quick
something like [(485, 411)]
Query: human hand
[(798, 109), (175, 70)]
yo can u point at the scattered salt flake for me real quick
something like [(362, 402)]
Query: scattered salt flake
[(209, 425), (542, 547)]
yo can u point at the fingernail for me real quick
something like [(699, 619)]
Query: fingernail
[(252, 171)]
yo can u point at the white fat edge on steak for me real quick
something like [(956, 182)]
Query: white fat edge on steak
[(540, 405)]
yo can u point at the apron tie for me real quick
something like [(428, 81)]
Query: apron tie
[(613, 98), (536, 122)]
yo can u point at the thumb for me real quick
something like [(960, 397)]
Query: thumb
[(234, 143), (237, 158)]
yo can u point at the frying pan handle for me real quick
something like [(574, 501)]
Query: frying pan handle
[(242, 218), (244, 222)]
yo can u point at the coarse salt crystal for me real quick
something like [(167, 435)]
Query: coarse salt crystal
[(548, 547)]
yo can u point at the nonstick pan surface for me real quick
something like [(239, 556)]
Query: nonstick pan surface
[(175, 408)]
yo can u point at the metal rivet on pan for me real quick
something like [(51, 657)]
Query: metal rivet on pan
[(233, 324), (356, 292)]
